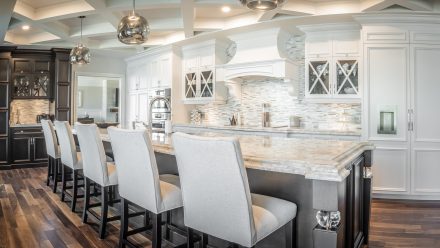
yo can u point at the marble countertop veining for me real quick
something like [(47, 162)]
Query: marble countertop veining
[(314, 158), (282, 129)]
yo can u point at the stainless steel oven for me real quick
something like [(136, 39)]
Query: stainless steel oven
[(160, 104)]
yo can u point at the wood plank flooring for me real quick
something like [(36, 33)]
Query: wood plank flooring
[(32, 216)]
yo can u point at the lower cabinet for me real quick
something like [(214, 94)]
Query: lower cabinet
[(4, 150), (28, 146)]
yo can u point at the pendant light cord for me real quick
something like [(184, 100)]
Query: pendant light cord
[(81, 39), (134, 7)]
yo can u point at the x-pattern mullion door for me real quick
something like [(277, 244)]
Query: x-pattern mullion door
[(190, 84), (206, 79), (347, 77), (319, 78)]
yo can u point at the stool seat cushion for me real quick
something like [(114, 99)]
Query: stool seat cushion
[(112, 175), (170, 192), (270, 214)]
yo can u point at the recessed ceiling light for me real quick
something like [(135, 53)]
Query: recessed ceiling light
[(226, 9), (25, 27)]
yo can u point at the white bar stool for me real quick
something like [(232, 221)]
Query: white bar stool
[(98, 170), (216, 196), (140, 183), (71, 159), (53, 153)]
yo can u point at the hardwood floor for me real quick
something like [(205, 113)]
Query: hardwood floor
[(32, 216)]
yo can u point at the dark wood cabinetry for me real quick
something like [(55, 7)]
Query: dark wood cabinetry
[(31, 77), (63, 85), (31, 74), (28, 146), (5, 58), (357, 209)]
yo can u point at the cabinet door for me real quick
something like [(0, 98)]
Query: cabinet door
[(4, 125), (23, 66), (133, 78), (4, 95), (21, 149), (132, 110), (4, 150), (155, 73), (144, 70), (425, 150), (386, 76), (39, 149), (347, 74), (318, 47), (143, 106), (318, 78), (346, 44), (165, 73), (190, 80), (207, 82), (5, 71)]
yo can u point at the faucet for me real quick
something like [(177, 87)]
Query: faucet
[(150, 110)]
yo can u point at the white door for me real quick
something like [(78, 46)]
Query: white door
[(143, 105), (144, 70), (132, 110), (386, 79), (132, 77), (425, 87)]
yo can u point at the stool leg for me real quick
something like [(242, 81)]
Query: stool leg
[(167, 229), (157, 230), (124, 223), (204, 240), (63, 181), (111, 195), (290, 230), (86, 199), (104, 212), (49, 170), (190, 238), (75, 190), (146, 218), (55, 169)]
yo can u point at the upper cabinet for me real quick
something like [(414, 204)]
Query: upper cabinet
[(149, 72), (199, 84), (332, 62), (31, 78)]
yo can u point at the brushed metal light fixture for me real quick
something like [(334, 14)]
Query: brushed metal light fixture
[(80, 54), (264, 5), (133, 29)]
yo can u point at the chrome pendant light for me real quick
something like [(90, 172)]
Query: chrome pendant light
[(264, 5), (133, 29), (80, 54)]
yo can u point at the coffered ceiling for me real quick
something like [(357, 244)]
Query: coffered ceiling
[(54, 23)]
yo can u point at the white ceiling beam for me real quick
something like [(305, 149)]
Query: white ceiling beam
[(188, 15), (142, 4), (54, 29), (101, 8), (419, 5), (6, 9)]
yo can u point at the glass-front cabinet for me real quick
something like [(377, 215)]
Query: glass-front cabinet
[(346, 77), (31, 78), (190, 84), (207, 83), (332, 78)]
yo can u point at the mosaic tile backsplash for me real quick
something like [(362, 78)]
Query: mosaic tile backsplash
[(28, 109), (333, 116)]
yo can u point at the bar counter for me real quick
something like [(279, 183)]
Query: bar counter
[(315, 174)]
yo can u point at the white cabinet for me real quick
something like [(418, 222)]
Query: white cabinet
[(332, 63), (199, 81), (138, 103), (403, 121), (137, 74), (161, 71)]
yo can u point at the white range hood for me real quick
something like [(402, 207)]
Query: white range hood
[(259, 55)]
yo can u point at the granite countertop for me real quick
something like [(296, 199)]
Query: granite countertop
[(26, 125), (282, 129), (314, 158)]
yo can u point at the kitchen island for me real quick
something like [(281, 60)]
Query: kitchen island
[(317, 175)]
